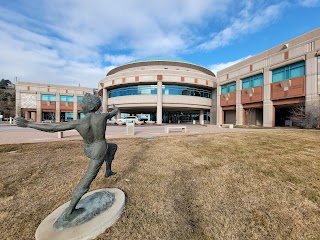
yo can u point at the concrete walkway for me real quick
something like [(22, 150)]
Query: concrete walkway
[(11, 134)]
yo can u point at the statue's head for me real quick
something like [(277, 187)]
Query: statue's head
[(90, 103)]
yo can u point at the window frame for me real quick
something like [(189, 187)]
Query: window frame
[(287, 71), (252, 79), (51, 97), (227, 88)]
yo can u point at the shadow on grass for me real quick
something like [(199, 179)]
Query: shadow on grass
[(183, 191)]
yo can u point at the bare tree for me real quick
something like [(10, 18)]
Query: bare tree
[(248, 116), (306, 117)]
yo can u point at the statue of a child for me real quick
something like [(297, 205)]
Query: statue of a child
[(92, 129)]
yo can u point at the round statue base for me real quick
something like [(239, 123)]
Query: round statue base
[(88, 230)]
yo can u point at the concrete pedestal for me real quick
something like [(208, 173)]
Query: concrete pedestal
[(88, 230), (60, 134)]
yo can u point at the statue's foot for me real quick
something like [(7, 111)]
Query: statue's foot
[(69, 215), (108, 174)]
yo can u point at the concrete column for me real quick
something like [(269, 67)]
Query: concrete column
[(239, 107), (18, 102), (33, 116), (213, 110), (39, 110), (105, 101), (159, 102), (58, 109), (319, 74), (27, 115), (118, 116), (268, 109), (219, 108), (312, 94), (201, 118), (75, 107)]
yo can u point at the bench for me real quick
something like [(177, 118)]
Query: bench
[(46, 121), (182, 128), (226, 125)]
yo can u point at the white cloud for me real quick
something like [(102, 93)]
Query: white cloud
[(72, 42), (118, 59), (249, 20), (310, 3), (69, 42), (219, 66)]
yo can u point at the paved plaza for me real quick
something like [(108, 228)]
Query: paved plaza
[(10, 134)]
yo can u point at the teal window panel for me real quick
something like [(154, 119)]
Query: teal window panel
[(186, 90), (133, 90), (48, 97), (232, 87), (68, 116), (246, 84), (253, 81), (81, 115), (290, 71), (79, 99), (166, 89), (297, 70), (257, 80), (229, 87), (66, 98), (224, 89)]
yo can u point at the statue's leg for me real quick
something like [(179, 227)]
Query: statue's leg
[(83, 187), (112, 148)]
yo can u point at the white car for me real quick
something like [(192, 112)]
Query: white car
[(125, 120)]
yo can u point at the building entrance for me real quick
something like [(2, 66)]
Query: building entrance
[(283, 116), (229, 117), (253, 116), (185, 116)]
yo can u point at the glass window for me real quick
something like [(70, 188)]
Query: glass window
[(297, 70), (68, 116), (186, 90), (253, 81), (246, 84), (257, 80), (81, 115), (166, 89), (79, 99), (224, 89), (290, 71), (48, 116), (133, 90), (66, 98), (230, 87), (48, 97)]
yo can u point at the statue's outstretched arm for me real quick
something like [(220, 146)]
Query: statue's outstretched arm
[(112, 113), (21, 122)]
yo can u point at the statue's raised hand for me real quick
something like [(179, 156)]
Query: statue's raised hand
[(21, 122)]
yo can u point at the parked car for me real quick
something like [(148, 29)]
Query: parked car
[(124, 120)]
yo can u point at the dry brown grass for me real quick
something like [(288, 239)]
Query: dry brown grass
[(262, 185)]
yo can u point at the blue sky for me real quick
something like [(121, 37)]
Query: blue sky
[(76, 42)]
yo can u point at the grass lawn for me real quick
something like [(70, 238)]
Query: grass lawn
[(257, 185)]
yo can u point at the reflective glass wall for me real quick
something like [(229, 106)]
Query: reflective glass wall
[(133, 90), (166, 90), (186, 90)]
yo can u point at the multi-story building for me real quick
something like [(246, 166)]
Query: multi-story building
[(263, 89), (161, 90), (49, 102)]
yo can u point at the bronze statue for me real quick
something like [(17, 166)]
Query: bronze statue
[(92, 129)]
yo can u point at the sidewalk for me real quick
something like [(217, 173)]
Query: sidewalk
[(11, 134)]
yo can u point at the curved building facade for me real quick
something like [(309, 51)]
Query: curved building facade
[(161, 90)]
